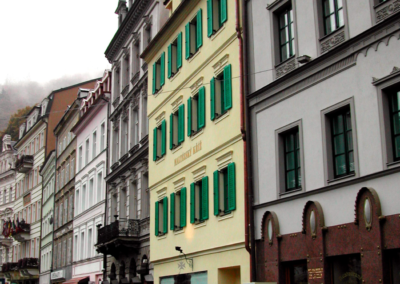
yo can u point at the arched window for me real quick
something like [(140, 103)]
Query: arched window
[(122, 270), (113, 274), (132, 269)]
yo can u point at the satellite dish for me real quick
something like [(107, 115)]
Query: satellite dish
[(51, 220)]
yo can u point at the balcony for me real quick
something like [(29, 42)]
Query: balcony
[(22, 232), (26, 267), (122, 236), (25, 164), (5, 242)]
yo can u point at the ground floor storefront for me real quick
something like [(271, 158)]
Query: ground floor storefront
[(228, 265), (90, 270)]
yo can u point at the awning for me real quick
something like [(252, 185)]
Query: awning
[(79, 280), (148, 278), (136, 280)]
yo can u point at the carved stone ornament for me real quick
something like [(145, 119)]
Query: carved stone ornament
[(135, 38), (387, 9), (332, 41), (147, 22), (285, 68), (221, 63)]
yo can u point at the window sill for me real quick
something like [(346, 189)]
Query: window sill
[(393, 164), (160, 160), (200, 224), (291, 192), (178, 232), (194, 55), (222, 117), (162, 237), (213, 36), (225, 216), (177, 148), (349, 176), (172, 78), (158, 92), (197, 134)]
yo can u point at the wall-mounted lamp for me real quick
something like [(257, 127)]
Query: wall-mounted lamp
[(188, 260)]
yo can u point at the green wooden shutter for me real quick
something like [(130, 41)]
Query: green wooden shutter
[(231, 187), (212, 98), (172, 213), (224, 11), (204, 198), (156, 222), (163, 137), (154, 77), (216, 193), (162, 70), (201, 114), (179, 52), (183, 207), (210, 28), (171, 131), (187, 40), (189, 117), (169, 61), (192, 204), (181, 123), (165, 215), (199, 29), (227, 87), (155, 144)]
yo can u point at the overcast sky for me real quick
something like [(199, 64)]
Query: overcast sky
[(43, 40)]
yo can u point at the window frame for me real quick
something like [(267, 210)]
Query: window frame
[(177, 127), (159, 145), (336, 11), (221, 190), (159, 74), (199, 190), (194, 27), (216, 8), (175, 56), (178, 200), (221, 92)]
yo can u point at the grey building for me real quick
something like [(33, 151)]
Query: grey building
[(323, 104), (124, 239)]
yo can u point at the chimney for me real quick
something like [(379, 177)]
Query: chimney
[(122, 10)]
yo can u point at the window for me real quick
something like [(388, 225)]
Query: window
[(99, 186), (71, 202), (159, 141), (177, 127), (221, 93), (80, 158), (395, 124), (66, 209), (89, 249), (91, 197), (82, 245), (194, 35), (125, 136), (76, 247), (225, 190), (333, 15), (103, 136), (116, 145), (159, 73), (178, 210), (56, 217), (69, 251), (217, 15), (344, 269), (76, 202), (145, 120), (94, 144), (87, 152), (175, 56), (60, 216), (135, 126), (342, 143), (72, 170), (67, 173), (161, 216), (286, 34), (116, 83), (83, 201), (295, 272), (199, 201), (292, 159), (196, 112)]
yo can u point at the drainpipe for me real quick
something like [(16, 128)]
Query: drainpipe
[(244, 125)]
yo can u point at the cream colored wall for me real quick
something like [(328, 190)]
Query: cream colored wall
[(219, 137)]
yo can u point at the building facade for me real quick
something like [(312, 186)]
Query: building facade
[(324, 114), (90, 163), (7, 197), (47, 172), (196, 165), (125, 237)]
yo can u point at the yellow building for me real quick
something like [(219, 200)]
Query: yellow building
[(196, 167)]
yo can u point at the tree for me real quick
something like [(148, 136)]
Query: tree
[(15, 121)]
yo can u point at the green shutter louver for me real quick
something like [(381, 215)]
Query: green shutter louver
[(155, 144), (172, 212), (189, 117), (187, 40), (204, 198), (169, 61), (231, 187), (181, 123), (163, 137), (179, 52), (199, 29), (227, 87), (154, 77), (216, 193), (210, 29), (162, 70), (156, 221), (224, 11), (165, 215), (171, 131), (212, 98), (183, 207), (201, 114), (192, 204)]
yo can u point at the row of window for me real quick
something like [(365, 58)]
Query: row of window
[(34, 146), (30, 180), (30, 213), (65, 173), (84, 241), (48, 190), (47, 226), (217, 15), (6, 195), (224, 192), (63, 253), (89, 194), (45, 261), (63, 210), (220, 103), (91, 150), (64, 142), (26, 250)]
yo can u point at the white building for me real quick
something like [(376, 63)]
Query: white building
[(91, 168), (324, 107)]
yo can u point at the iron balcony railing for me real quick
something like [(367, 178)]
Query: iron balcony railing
[(120, 228), (24, 164)]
